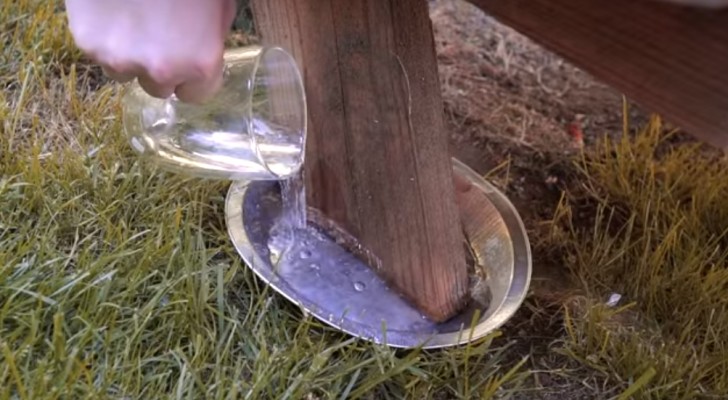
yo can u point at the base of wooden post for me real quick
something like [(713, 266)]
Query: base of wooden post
[(376, 153), (337, 287)]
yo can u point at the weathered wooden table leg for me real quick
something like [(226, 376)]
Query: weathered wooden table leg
[(377, 158)]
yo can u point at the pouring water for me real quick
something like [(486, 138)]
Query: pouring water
[(253, 129)]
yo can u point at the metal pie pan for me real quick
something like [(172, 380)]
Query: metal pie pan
[(336, 287)]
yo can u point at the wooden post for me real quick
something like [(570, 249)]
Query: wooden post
[(671, 59), (377, 157)]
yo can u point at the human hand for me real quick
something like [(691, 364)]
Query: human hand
[(170, 46)]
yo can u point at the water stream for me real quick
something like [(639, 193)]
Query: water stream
[(292, 217)]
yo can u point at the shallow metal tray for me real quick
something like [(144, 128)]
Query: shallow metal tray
[(336, 287)]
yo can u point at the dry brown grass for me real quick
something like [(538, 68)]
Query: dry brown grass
[(658, 234)]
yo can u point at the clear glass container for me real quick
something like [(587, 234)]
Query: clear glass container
[(254, 128)]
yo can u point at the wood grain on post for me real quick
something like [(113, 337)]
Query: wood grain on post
[(377, 156), (670, 58)]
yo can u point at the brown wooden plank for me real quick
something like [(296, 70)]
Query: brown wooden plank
[(377, 160), (671, 59)]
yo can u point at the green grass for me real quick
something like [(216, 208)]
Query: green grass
[(118, 280), (658, 234)]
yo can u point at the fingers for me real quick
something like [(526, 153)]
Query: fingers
[(120, 72), (193, 78), (209, 77), (190, 84), (155, 88), (199, 90), (204, 82), (118, 76), (209, 74), (169, 46)]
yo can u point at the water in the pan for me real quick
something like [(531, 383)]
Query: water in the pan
[(298, 233), (292, 228)]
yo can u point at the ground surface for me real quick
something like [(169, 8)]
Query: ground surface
[(511, 102), (117, 280)]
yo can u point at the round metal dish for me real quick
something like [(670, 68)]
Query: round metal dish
[(336, 287)]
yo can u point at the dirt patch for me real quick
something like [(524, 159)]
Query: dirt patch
[(499, 81)]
